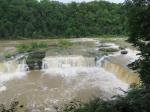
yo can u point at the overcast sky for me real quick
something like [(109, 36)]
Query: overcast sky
[(67, 1)]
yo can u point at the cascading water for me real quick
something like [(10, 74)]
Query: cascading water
[(68, 61), (67, 65), (12, 69), (77, 66), (63, 79), (121, 72), (117, 64), (22, 67), (118, 67)]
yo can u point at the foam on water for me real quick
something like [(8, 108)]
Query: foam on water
[(3, 88), (12, 69), (132, 55), (95, 76)]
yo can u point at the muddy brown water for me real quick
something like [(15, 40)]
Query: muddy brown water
[(72, 74)]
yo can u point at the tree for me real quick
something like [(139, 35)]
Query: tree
[(44, 18), (139, 25)]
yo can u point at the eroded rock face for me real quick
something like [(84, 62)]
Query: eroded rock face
[(34, 60)]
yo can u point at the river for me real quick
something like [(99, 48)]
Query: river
[(81, 72)]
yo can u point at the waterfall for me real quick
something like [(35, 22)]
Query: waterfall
[(88, 72), (22, 67), (67, 61), (121, 70), (67, 65), (123, 73), (9, 66), (12, 68)]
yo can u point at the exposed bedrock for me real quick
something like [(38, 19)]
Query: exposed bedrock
[(34, 60), (124, 52)]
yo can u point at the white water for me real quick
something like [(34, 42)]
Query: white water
[(72, 67), (12, 69), (131, 56), (68, 61), (62, 79)]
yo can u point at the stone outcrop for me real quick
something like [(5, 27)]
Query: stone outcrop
[(34, 60), (124, 52)]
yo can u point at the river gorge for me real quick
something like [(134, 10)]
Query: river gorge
[(89, 68)]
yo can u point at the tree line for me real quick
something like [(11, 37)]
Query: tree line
[(44, 18)]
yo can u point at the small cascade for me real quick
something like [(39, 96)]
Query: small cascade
[(8, 67), (121, 72), (68, 65), (86, 71), (67, 62), (13, 68), (132, 55), (117, 64), (22, 67)]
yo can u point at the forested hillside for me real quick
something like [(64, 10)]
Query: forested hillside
[(34, 19)]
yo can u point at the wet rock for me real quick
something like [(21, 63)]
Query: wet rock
[(34, 60), (21, 106), (124, 52), (107, 49)]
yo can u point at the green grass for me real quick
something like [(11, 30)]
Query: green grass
[(31, 47), (64, 43)]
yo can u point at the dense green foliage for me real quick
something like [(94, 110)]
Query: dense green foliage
[(33, 19), (139, 19), (139, 23)]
